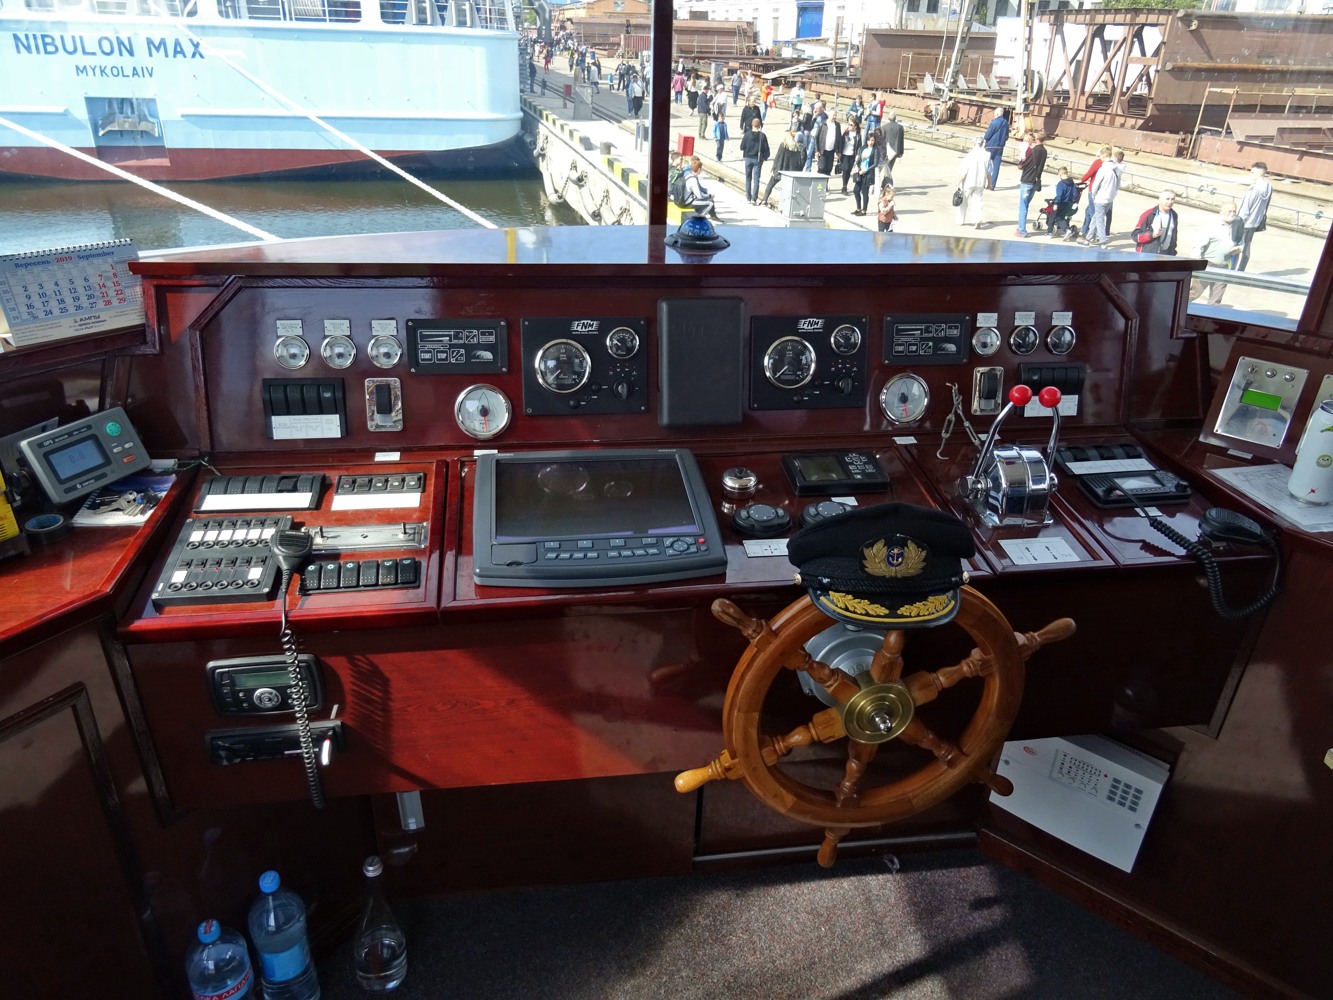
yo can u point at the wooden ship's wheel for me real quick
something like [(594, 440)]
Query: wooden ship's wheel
[(871, 709)]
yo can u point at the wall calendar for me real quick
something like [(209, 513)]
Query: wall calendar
[(69, 292)]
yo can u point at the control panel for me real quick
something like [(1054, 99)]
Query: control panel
[(808, 362), (584, 365)]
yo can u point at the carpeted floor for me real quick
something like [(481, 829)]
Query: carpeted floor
[(950, 926)]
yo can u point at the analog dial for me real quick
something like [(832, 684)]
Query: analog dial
[(1060, 340), (482, 411), (1024, 339), (986, 341), (903, 398), (789, 363), (385, 351), (338, 351), (291, 352), (563, 366), (846, 339), (622, 343)]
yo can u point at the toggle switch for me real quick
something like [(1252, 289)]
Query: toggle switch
[(384, 404)]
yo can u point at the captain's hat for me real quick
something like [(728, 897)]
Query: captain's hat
[(893, 565)]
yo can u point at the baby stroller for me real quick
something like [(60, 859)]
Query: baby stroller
[(1055, 218)]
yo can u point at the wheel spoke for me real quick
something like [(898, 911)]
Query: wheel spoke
[(926, 685), (887, 664), (846, 795)]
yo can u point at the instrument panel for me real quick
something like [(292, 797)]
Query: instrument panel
[(515, 367)]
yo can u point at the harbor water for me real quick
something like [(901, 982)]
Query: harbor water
[(44, 215)]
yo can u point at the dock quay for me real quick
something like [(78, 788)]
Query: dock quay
[(594, 156)]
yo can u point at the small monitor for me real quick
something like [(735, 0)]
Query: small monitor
[(72, 460), (592, 518)]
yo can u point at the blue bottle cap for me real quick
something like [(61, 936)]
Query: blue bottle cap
[(269, 882), (209, 931)]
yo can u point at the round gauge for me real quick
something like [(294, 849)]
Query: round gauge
[(846, 339), (986, 341), (385, 351), (622, 343), (903, 398), (1060, 340), (789, 362), (563, 366), (291, 352), (1024, 339), (338, 351), (482, 411)]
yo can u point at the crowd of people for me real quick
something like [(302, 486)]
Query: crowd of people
[(857, 148)]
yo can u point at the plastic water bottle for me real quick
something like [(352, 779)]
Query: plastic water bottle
[(379, 952), (219, 965), (277, 928)]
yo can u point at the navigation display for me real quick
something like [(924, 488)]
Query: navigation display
[(582, 519)]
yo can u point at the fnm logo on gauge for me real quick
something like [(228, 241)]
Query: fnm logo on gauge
[(811, 325), (584, 326)]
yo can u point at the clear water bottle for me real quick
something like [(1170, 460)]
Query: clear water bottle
[(219, 965), (379, 952), (277, 928)]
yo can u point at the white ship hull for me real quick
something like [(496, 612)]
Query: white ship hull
[(274, 88)]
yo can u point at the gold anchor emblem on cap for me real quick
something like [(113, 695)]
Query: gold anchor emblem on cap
[(882, 559)]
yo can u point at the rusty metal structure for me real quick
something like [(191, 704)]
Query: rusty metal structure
[(1216, 87)]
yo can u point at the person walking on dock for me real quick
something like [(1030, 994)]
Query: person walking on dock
[(1029, 181), (827, 137), (886, 209), (1253, 210), (893, 143), (972, 181), (1158, 227), (677, 86), (997, 134), (790, 158), (1085, 184), (863, 178), (705, 99), (1220, 249), (849, 147), (1103, 192), (721, 135), (635, 92), (754, 150)]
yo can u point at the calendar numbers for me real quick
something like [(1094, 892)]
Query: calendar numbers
[(47, 296)]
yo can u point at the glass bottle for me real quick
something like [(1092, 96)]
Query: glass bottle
[(379, 952)]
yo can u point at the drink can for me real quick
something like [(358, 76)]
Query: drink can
[(1312, 476)]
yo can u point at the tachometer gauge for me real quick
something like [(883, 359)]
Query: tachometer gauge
[(291, 352), (903, 398), (846, 339), (563, 366), (385, 351), (482, 411), (622, 343), (789, 362), (338, 351)]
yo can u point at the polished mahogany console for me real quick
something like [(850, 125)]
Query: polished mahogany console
[(550, 721)]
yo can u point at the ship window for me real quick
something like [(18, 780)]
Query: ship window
[(437, 87)]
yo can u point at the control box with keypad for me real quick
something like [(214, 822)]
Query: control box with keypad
[(221, 560)]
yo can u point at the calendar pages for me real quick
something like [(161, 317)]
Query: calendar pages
[(69, 292)]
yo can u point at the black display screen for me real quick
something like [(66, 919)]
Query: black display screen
[(600, 517), (591, 498), (77, 458)]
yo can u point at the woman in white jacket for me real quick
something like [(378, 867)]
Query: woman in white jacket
[(972, 183)]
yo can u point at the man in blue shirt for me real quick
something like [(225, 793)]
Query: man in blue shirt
[(997, 134)]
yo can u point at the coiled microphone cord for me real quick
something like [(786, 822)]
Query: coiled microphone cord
[(1205, 559), (300, 701)]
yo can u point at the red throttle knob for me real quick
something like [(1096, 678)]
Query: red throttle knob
[(1020, 395), (1049, 397)]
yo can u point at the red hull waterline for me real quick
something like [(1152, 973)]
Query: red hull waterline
[(234, 164)]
